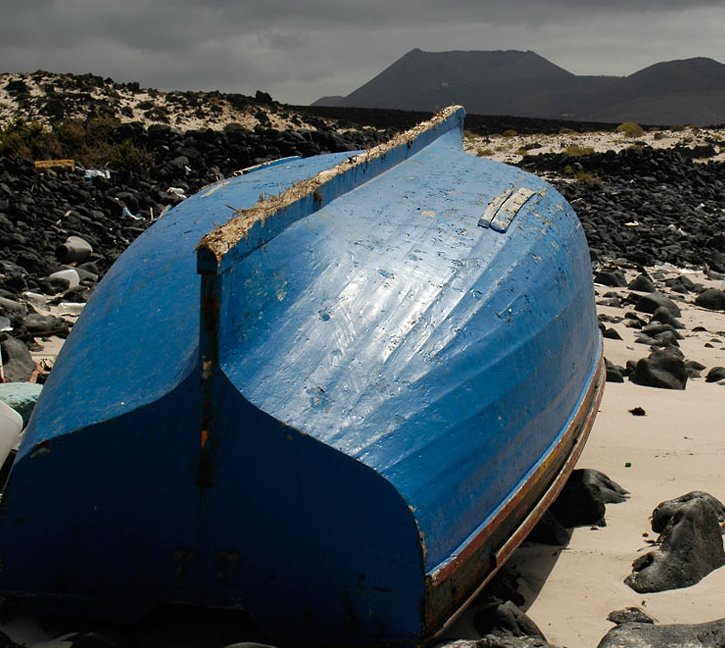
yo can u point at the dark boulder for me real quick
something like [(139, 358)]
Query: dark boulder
[(18, 364), (612, 278), (549, 531), (715, 374), (664, 511), (680, 284), (690, 547), (498, 641), (614, 373), (693, 368), (642, 283), (711, 299), (651, 302), (12, 309), (611, 334), (503, 586), (648, 635), (717, 261), (504, 618), (656, 328), (35, 325), (662, 369), (664, 316), (583, 499)]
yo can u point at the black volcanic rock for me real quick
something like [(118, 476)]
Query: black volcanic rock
[(504, 618), (715, 374), (549, 531), (647, 635), (642, 283), (40, 210), (614, 373), (712, 299), (690, 547), (627, 216), (584, 497), (629, 615), (612, 278), (662, 369), (649, 303), (18, 364), (664, 511), (665, 316)]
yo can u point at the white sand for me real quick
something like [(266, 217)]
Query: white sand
[(679, 446), (512, 148), (214, 110)]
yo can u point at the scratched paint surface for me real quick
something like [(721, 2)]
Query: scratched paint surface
[(387, 368), (393, 328), (122, 348)]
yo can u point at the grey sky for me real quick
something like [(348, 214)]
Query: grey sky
[(299, 50)]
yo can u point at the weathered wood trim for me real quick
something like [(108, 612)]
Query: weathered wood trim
[(311, 194)]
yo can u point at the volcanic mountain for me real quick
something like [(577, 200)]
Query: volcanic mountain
[(525, 84)]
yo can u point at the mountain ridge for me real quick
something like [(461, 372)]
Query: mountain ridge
[(525, 84)]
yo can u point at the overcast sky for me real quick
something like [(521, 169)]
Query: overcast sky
[(299, 50)]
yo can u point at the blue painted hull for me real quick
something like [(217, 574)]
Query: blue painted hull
[(339, 412)]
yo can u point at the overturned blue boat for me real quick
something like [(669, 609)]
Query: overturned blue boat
[(334, 392)]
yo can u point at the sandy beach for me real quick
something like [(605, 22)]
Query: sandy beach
[(677, 447)]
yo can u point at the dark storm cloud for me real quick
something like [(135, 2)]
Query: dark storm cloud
[(161, 22), (299, 49)]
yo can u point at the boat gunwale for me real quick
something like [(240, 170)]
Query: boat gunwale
[(571, 444), (323, 187)]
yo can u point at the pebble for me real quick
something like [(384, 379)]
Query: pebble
[(629, 615)]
